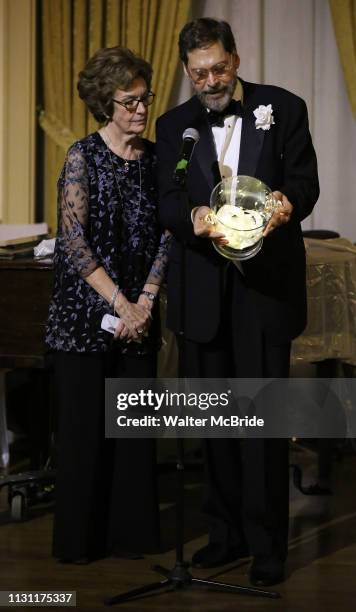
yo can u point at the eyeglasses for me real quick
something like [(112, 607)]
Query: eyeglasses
[(131, 105), (221, 70)]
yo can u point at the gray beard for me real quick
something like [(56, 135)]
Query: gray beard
[(220, 104)]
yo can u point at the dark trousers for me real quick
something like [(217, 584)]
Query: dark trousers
[(106, 494), (247, 489)]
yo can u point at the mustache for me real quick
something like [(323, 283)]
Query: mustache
[(211, 90)]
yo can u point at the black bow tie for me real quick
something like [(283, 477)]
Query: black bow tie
[(217, 118)]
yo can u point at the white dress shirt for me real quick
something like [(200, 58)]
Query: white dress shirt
[(227, 143)]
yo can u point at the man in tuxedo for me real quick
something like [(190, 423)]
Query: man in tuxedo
[(237, 321)]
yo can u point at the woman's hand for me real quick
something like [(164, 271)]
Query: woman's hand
[(123, 333), (144, 300), (135, 317)]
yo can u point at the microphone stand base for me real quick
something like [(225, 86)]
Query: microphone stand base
[(180, 578)]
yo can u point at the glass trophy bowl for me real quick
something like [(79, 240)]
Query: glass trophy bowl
[(241, 208)]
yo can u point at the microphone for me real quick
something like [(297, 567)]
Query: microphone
[(190, 138)]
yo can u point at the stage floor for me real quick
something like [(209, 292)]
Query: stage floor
[(321, 564)]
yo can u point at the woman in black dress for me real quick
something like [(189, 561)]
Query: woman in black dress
[(110, 257)]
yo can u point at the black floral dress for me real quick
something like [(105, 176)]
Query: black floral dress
[(107, 216)]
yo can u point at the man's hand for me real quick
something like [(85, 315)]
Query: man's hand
[(282, 215), (204, 228)]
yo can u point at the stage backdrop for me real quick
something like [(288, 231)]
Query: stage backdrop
[(290, 43)]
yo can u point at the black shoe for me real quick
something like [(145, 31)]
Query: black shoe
[(266, 572), (214, 555)]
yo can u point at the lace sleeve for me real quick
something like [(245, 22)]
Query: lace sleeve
[(158, 270), (73, 198)]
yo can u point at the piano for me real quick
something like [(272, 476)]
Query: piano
[(26, 287)]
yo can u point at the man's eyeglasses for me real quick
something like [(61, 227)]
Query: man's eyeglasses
[(132, 104), (199, 75)]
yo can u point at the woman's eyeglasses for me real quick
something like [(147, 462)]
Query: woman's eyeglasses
[(132, 104)]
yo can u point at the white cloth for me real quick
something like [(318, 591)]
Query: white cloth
[(45, 248)]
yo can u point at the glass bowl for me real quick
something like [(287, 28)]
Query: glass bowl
[(241, 208)]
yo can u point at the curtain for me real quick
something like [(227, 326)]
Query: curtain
[(72, 30), (344, 20)]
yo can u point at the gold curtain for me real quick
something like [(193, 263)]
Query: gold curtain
[(72, 31), (344, 18)]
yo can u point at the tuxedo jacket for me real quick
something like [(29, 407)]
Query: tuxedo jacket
[(283, 157)]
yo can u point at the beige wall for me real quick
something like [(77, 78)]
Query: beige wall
[(17, 110)]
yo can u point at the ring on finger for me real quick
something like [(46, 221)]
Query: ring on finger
[(209, 218)]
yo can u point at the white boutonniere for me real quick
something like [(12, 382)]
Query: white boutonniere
[(264, 117)]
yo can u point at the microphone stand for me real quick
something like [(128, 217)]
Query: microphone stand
[(179, 576)]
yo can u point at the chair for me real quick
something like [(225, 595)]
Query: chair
[(327, 368), (320, 234)]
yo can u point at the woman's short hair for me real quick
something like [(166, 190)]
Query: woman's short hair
[(202, 33), (108, 70)]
